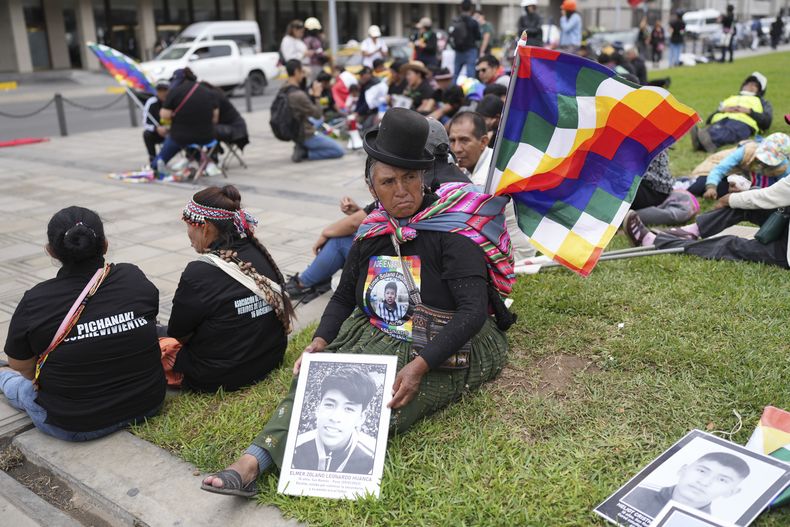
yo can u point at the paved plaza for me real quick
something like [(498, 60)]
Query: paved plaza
[(292, 202)]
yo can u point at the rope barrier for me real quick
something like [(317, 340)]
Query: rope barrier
[(94, 108), (26, 115), (67, 101)]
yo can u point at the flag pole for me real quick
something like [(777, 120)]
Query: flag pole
[(501, 129), (140, 105)]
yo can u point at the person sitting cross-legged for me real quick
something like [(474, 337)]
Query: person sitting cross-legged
[(82, 347), (431, 241), (230, 315)]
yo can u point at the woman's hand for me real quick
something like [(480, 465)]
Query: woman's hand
[(407, 383), (710, 193), (316, 346), (723, 202)]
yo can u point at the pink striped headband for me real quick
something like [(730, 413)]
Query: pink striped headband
[(197, 214)]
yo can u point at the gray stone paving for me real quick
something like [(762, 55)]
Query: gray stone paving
[(292, 201)]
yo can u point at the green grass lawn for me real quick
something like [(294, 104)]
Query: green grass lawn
[(605, 373), (705, 85)]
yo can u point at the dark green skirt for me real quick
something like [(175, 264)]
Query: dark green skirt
[(437, 389)]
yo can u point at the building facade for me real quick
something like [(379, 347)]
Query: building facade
[(51, 34)]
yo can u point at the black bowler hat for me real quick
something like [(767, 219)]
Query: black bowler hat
[(400, 140)]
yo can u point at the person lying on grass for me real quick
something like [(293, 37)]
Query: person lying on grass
[(230, 318), (755, 206), (82, 347), (427, 236), (762, 163)]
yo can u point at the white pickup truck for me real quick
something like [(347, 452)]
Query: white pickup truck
[(220, 62)]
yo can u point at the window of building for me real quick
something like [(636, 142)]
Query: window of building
[(36, 34)]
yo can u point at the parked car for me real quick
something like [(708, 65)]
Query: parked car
[(243, 32), (617, 39), (220, 62), (702, 22)]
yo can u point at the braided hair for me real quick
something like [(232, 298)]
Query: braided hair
[(229, 198)]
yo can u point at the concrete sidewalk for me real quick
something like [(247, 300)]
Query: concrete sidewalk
[(143, 222)]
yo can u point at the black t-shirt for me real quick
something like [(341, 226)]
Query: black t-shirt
[(397, 89), (678, 31), (435, 259), (228, 114), (192, 123), (235, 337), (108, 368), (420, 93)]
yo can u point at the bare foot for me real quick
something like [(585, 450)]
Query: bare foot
[(246, 466)]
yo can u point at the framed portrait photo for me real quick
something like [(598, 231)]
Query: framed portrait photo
[(706, 473), (337, 437), (675, 514)]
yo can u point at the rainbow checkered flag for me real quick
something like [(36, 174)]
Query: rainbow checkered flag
[(772, 438), (124, 69), (575, 141)]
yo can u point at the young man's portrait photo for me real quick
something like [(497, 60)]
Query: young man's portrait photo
[(335, 444), (703, 473), (716, 475), (388, 307)]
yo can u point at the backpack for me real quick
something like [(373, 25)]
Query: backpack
[(284, 125), (459, 34)]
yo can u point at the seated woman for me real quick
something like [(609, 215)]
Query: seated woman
[(82, 347), (755, 206), (230, 312), (441, 253), (762, 163), (192, 111)]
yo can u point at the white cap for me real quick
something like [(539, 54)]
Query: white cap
[(374, 31), (312, 23), (761, 79)]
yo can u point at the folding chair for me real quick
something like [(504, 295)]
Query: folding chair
[(233, 151), (206, 151)]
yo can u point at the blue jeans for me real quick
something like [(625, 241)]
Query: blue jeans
[(22, 395), (331, 259), (168, 151), (674, 54), (466, 58), (322, 147)]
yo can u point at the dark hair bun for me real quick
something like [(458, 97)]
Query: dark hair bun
[(232, 193), (76, 234), (80, 241)]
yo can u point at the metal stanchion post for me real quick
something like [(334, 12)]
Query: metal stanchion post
[(61, 115), (132, 111), (248, 94)]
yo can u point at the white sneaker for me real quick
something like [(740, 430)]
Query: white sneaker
[(179, 165), (212, 170)]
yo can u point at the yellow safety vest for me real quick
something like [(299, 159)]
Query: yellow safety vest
[(752, 102)]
